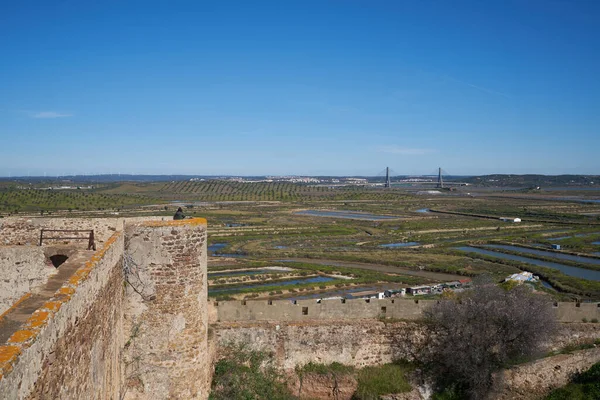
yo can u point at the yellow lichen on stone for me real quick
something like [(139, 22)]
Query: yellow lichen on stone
[(38, 319), (8, 355), (22, 336), (181, 222), (68, 291), (53, 306)]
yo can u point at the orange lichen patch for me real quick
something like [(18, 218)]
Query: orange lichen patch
[(22, 299), (38, 319), (8, 355), (181, 222), (22, 336), (53, 306), (79, 275), (66, 291)]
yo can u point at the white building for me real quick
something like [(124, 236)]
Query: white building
[(523, 277)]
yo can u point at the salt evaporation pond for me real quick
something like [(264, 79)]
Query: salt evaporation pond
[(578, 235), (565, 269), (558, 256), (393, 245), (300, 281), (213, 248), (347, 215)]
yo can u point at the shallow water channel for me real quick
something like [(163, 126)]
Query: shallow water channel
[(572, 236), (565, 269), (213, 248), (558, 256)]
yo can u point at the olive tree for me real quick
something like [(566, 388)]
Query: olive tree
[(482, 331)]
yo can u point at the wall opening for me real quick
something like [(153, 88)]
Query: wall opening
[(270, 302), (383, 310), (304, 310), (577, 304), (58, 260)]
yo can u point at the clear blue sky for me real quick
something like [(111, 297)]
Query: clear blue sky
[(299, 87)]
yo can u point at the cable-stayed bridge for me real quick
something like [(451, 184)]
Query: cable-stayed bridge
[(427, 179)]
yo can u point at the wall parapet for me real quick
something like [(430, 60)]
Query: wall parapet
[(300, 310), (23, 357)]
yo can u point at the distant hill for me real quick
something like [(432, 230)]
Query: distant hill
[(533, 180)]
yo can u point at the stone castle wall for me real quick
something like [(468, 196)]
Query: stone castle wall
[(536, 379), (19, 231), (132, 317), (357, 343), (69, 348), (303, 310)]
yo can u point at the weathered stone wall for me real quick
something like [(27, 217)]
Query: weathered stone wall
[(536, 379), (22, 268), (70, 347), (166, 313), (577, 312), (368, 342), (24, 231), (303, 310), (357, 343)]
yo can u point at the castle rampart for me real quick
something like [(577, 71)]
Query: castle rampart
[(69, 347), (408, 309)]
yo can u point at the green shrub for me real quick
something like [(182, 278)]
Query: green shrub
[(374, 382), (334, 368), (247, 375), (583, 386)]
